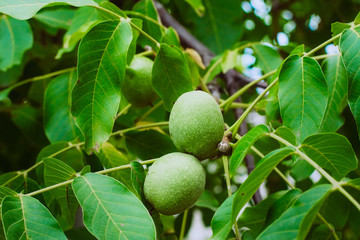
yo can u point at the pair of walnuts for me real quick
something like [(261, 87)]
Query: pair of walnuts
[(176, 180)]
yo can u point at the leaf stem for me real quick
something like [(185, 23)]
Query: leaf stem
[(99, 172), (148, 112), (145, 17), (151, 125), (183, 225), (242, 90), (38, 78), (336, 184), (235, 127), (228, 186), (124, 110), (324, 56)]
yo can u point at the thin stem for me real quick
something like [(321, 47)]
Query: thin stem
[(203, 86), (99, 172), (243, 105), (41, 77), (148, 112), (25, 172), (131, 24), (235, 127), (242, 90), (183, 225), (206, 77), (228, 186), (325, 56), (336, 184), (151, 125), (145, 17), (332, 230), (146, 53), (124, 110)]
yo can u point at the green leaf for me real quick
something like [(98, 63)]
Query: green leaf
[(255, 217), (226, 214), (301, 169), (25, 9), (219, 28), (85, 18), (132, 48), (17, 37), (336, 210), (286, 134), (198, 7), (110, 157), (229, 60), (26, 218), (111, 210), (267, 58), (221, 222), (171, 74), (354, 183), (302, 95), (57, 109), (101, 71), (149, 144), (71, 156), (281, 205), (323, 232), (138, 177), (350, 48), (296, 222), (4, 191), (56, 18), (337, 28), (337, 82), (332, 152), (207, 200), (171, 37), (28, 120), (147, 8), (244, 146), (56, 171)]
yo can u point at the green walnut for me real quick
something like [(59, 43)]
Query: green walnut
[(174, 183), (196, 124), (137, 87)]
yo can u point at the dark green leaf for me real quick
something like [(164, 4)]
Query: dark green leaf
[(332, 152), (337, 82), (25, 9), (137, 177), (132, 48), (336, 210), (149, 144), (17, 37), (57, 109), (220, 27), (26, 218), (171, 74), (296, 222), (337, 28), (4, 191), (56, 171), (323, 232), (171, 37), (101, 71), (111, 210), (28, 119), (302, 95), (244, 146), (301, 169), (147, 8), (110, 157)]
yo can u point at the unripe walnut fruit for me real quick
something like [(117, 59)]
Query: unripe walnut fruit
[(196, 124), (137, 87), (174, 183)]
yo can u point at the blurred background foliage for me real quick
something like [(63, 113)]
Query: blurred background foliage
[(219, 24)]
